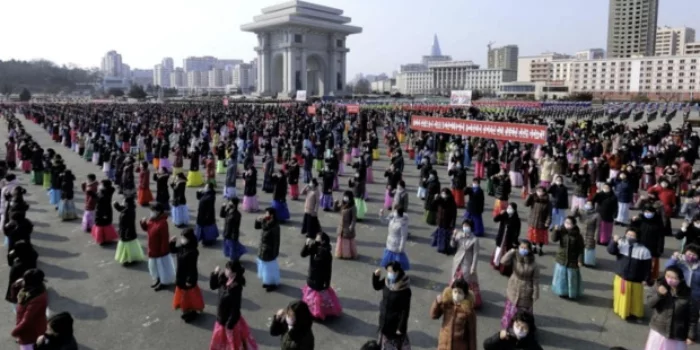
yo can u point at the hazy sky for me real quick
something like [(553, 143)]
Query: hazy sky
[(395, 31)]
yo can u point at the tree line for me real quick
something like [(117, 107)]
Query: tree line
[(42, 76)]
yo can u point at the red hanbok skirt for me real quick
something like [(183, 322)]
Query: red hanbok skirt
[(458, 195), (537, 236), (144, 196), (188, 299), (104, 234), (238, 338)]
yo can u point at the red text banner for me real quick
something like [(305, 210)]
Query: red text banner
[(527, 133), (353, 109), (311, 110)]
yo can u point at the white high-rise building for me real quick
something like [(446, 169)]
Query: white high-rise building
[(161, 76), (243, 77), (177, 78), (168, 63), (590, 54), (112, 64), (199, 64), (126, 71), (254, 71), (672, 41), (632, 27), (505, 57), (216, 77)]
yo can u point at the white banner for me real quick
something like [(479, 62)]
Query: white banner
[(301, 95), (461, 98)]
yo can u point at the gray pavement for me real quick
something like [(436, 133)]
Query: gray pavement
[(114, 307)]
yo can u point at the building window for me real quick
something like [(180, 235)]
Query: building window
[(298, 38), (339, 42)]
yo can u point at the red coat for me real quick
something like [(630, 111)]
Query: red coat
[(667, 196), (144, 178), (158, 236), (90, 200), (31, 319)]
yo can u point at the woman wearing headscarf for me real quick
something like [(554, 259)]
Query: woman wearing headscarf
[(103, 232), (233, 249), (268, 250), (90, 189), (310, 224), (160, 263), (466, 258), (231, 331), (446, 221), (506, 238), (688, 263), (206, 230), (32, 301), (519, 335), (566, 281), (318, 293), (59, 334), (293, 324), (540, 218), (129, 249), (396, 238), (145, 197), (632, 268), (524, 283), (188, 296), (66, 207), (21, 259), (395, 307), (591, 221), (250, 197), (674, 318), (455, 305), (180, 213), (345, 246)]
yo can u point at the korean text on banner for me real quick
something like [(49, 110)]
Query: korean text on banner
[(461, 98), (353, 109), (527, 133), (311, 110), (301, 95)]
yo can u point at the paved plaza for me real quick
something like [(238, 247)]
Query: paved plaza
[(114, 307)]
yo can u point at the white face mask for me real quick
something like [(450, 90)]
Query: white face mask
[(697, 224), (467, 230), (289, 321), (457, 297), (568, 226), (519, 333), (588, 206), (510, 211)]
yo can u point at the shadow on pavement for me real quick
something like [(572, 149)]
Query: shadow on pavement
[(79, 310), (47, 236), (357, 304), (351, 325), (54, 253), (54, 271), (560, 341), (422, 339)]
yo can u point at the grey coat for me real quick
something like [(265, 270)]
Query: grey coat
[(231, 173), (466, 257), (398, 233), (524, 283), (401, 200)]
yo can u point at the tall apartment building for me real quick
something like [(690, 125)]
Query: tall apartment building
[(216, 77), (199, 64), (242, 77), (537, 68), (673, 41), (505, 57), (177, 78), (126, 71), (168, 63), (590, 54), (632, 28), (161, 76), (112, 64)]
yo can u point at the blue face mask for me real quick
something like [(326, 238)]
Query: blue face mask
[(391, 276), (523, 252), (476, 187), (648, 215)]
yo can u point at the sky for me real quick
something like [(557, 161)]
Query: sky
[(395, 32)]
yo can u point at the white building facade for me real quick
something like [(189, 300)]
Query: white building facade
[(448, 76), (177, 78), (216, 77), (672, 41), (488, 81), (112, 64)]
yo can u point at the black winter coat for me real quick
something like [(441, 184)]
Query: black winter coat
[(475, 204), (251, 182), (395, 307), (508, 229), (320, 266), (127, 221), (674, 317), (650, 233), (232, 222), (606, 205), (103, 210), (269, 247), (206, 212), (179, 188), (228, 311), (502, 187), (560, 196), (186, 272)]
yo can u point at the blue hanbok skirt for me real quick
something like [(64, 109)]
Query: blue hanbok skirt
[(162, 269), (441, 240), (54, 196), (589, 257), (282, 210), (566, 282), (390, 256), (206, 234), (233, 249), (67, 210), (558, 217), (419, 158), (326, 201), (180, 215), (478, 223), (269, 272)]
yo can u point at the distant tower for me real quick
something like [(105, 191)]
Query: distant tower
[(435, 49)]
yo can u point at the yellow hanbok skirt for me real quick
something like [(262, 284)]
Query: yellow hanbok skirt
[(628, 298)]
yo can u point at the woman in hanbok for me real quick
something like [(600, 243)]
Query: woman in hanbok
[(144, 194), (358, 190), (179, 161), (37, 165), (345, 246), (446, 218), (310, 224), (396, 238), (90, 189), (293, 324), (206, 230), (268, 250), (230, 182), (456, 306), (57, 169), (566, 280), (318, 293), (293, 178), (66, 207), (393, 176), (194, 176), (395, 307), (506, 238), (327, 177), (180, 213), (160, 262), (250, 182), (231, 331), (11, 153), (32, 303), (540, 218), (465, 260), (268, 170), (524, 283), (48, 166), (103, 232), (587, 215), (188, 296), (163, 156), (233, 249), (210, 169), (560, 201), (129, 250), (21, 258), (279, 196), (221, 158)]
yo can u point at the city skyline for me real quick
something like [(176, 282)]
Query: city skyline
[(218, 33)]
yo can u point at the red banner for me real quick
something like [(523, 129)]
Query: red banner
[(527, 133), (311, 110), (225, 102), (353, 109)]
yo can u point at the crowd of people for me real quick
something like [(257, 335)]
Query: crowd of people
[(587, 178)]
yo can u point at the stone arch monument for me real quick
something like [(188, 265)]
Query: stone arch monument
[(301, 46)]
